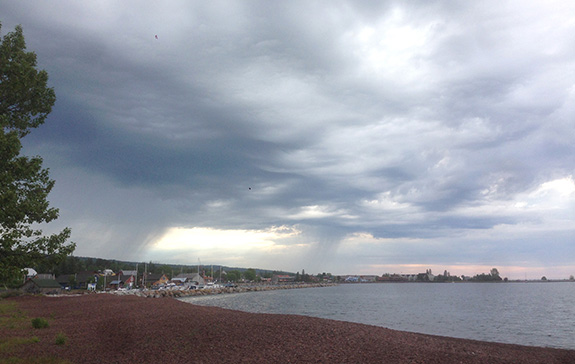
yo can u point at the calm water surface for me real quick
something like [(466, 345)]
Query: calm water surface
[(535, 314)]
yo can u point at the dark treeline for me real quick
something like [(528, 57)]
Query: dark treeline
[(493, 276), (74, 264)]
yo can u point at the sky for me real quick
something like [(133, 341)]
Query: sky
[(344, 137)]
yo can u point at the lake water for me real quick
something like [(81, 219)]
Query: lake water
[(535, 314)]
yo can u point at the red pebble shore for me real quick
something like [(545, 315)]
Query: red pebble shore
[(103, 328)]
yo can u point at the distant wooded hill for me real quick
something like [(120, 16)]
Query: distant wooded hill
[(74, 264)]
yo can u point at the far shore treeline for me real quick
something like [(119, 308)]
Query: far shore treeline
[(73, 264)]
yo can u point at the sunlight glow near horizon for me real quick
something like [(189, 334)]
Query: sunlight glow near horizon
[(243, 247), (220, 246), (208, 238)]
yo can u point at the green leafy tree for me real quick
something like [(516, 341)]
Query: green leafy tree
[(72, 281), (25, 102), (233, 276), (250, 274)]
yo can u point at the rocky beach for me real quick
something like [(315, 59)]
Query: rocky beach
[(176, 292), (105, 328)]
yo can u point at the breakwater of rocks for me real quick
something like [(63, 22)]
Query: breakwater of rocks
[(179, 293)]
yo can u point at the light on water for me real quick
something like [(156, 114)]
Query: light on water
[(535, 314)]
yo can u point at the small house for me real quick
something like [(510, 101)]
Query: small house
[(368, 279), (122, 281), (178, 281), (46, 286), (77, 280), (128, 272), (189, 279), (130, 282), (155, 280)]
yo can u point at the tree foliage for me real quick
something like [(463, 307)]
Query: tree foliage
[(493, 276), (25, 102), (233, 276), (250, 275)]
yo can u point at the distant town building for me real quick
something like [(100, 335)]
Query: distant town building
[(189, 279), (154, 280), (128, 272), (409, 277), (282, 278), (46, 286), (368, 279)]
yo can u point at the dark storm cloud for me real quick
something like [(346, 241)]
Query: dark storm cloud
[(425, 121)]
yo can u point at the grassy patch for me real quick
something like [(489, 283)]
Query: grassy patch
[(10, 316), (61, 339), (14, 360), (40, 323), (7, 307), (8, 345), (10, 293)]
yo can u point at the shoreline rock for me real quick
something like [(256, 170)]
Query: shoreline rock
[(179, 293)]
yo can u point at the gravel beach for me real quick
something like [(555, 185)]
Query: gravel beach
[(104, 328)]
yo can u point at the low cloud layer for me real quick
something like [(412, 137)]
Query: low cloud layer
[(355, 137)]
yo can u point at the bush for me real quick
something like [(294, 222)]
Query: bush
[(61, 339), (39, 323)]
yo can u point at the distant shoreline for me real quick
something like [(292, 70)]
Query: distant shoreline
[(259, 287)]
